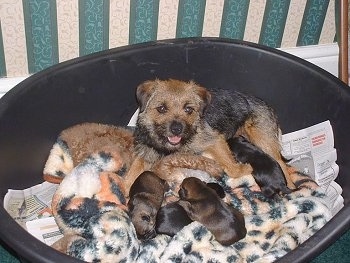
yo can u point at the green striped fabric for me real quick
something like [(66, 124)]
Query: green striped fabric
[(234, 19), (313, 18), (337, 21), (93, 26), (190, 18), (274, 21), (41, 33), (143, 20), (54, 30), (2, 56)]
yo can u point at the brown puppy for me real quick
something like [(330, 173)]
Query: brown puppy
[(203, 204), (146, 197), (183, 117), (172, 217)]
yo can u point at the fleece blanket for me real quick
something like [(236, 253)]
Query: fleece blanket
[(90, 209)]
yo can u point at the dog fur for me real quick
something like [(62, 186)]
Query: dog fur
[(203, 204), (81, 141), (172, 217), (233, 113), (174, 110), (88, 138), (266, 170), (146, 197), (185, 118)]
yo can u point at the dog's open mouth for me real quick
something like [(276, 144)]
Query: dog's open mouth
[(174, 140)]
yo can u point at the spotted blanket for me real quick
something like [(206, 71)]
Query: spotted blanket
[(90, 209)]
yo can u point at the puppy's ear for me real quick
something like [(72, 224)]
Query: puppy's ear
[(144, 92), (131, 204), (205, 96), (135, 201), (218, 189)]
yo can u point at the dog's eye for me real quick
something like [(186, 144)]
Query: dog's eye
[(188, 109), (162, 109), (146, 218)]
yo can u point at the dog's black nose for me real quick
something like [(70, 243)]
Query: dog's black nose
[(176, 127)]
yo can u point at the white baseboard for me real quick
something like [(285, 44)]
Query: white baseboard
[(324, 56), (8, 83)]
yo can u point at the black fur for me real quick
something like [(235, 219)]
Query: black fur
[(171, 218), (266, 170), (218, 189), (229, 109)]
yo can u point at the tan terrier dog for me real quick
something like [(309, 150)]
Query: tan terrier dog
[(178, 117)]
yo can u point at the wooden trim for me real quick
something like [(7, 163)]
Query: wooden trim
[(343, 45)]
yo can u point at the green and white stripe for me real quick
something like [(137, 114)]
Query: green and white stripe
[(293, 23), (41, 33), (93, 26), (143, 20), (190, 18), (312, 24), (35, 34), (234, 19), (254, 20), (68, 29), (212, 17), (14, 38), (119, 17), (274, 21), (2, 56)]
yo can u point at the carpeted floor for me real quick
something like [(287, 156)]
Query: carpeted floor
[(339, 252)]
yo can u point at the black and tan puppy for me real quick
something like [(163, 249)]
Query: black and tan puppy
[(202, 204), (172, 217), (266, 170), (146, 197), (183, 117), (233, 113)]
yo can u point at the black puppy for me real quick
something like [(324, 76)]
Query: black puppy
[(172, 217), (233, 113), (266, 170)]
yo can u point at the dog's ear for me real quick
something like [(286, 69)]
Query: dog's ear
[(134, 202), (144, 92), (205, 96)]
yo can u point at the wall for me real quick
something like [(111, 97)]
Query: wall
[(35, 34)]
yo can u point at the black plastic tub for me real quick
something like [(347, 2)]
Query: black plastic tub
[(101, 88)]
